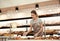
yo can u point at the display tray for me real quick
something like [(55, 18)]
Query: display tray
[(33, 40)]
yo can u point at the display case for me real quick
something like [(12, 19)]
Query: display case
[(16, 27)]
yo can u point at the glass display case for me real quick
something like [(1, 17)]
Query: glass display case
[(13, 29)]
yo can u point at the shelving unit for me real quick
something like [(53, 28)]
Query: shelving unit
[(26, 26), (41, 16)]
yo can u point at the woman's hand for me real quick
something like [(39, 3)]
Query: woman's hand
[(25, 33), (36, 35)]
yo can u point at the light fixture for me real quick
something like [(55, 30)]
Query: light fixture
[(37, 6), (16, 9), (0, 11), (59, 1)]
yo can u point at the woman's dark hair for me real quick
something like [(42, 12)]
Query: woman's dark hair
[(34, 12)]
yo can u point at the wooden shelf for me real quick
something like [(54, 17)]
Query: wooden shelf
[(26, 26), (41, 16)]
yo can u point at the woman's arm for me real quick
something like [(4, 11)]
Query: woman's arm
[(30, 28), (41, 29), (28, 31)]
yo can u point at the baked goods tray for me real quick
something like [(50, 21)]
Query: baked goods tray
[(33, 40)]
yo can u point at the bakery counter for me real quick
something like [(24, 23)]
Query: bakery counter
[(30, 38), (20, 33), (35, 38), (5, 38)]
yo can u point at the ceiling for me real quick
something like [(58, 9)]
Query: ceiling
[(9, 3)]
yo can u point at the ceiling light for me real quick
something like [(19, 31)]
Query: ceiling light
[(0, 11), (36, 6)]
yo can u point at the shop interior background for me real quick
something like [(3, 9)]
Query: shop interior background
[(8, 11)]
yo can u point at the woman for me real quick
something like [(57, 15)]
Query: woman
[(36, 24)]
